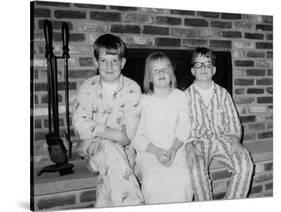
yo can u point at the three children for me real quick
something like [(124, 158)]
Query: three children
[(175, 134)]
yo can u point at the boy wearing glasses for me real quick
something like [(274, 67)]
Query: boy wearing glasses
[(106, 114), (215, 132)]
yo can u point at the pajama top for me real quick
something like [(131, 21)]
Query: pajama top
[(93, 106), (117, 184), (219, 118)]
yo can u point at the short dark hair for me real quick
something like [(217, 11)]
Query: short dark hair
[(113, 45), (204, 52)]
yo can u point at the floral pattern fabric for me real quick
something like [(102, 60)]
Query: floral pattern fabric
[(117, 183)]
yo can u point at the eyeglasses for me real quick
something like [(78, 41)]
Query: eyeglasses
[(198, 65)]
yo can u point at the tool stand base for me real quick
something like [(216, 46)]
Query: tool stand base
[(63, 169)]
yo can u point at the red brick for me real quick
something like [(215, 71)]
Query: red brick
[(269, 54), (90, 6), (105, 16), (138, 18), (255, 90), (61, 86), (265, 135), (154, 30), (244, 82), (255, 72), (125, 28), (191, 33), (263, 177), (245, 119), (264, 27), (239, 91), (265, 100), (73, 14), (264, 45), (122, 8), (244, 63), (220, 175), (265, 81), (37, 123), (220, 43), (168, 20), (268, 166), (231, 34), (249, 136), (267, 19), (244, 25), (244, 100), (256, 126), (47, 203), (88, 196), (86, 61), (265, 63), (195, 22), (168, 42), (221, 24), (208, 14), (81, 74), (73, 37), (269, 72), (182, 12), (255, 189), (231, 16), (56, 25), (55, 4), (269, 90), (269, 186), (255, 54), (269, 37), (270, 125), (41, 12), (257, 36), (195, 42)]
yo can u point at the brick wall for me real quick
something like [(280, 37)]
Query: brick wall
[(249, 38)]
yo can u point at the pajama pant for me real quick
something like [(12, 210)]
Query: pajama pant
[(117, 184), (239, 164)]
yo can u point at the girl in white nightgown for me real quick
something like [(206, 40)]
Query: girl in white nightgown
[(161, 135)]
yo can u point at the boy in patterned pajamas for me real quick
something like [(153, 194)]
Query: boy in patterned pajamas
[(106, 114), (215, 132)]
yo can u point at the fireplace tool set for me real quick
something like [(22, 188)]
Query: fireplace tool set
[(56, 148)]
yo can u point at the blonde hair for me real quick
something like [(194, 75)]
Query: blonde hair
[(157, 56)]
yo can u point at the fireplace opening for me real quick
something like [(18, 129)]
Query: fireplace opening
[(134, 67)]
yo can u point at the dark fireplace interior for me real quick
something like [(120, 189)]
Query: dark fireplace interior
[(134, 67)]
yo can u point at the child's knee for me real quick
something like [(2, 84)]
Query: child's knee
[(246, 163)]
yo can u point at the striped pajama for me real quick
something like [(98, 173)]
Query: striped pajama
[(239, 164), (212, 126)]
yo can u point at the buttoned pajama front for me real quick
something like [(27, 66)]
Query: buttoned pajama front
[(212, 127), (117, 184)]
